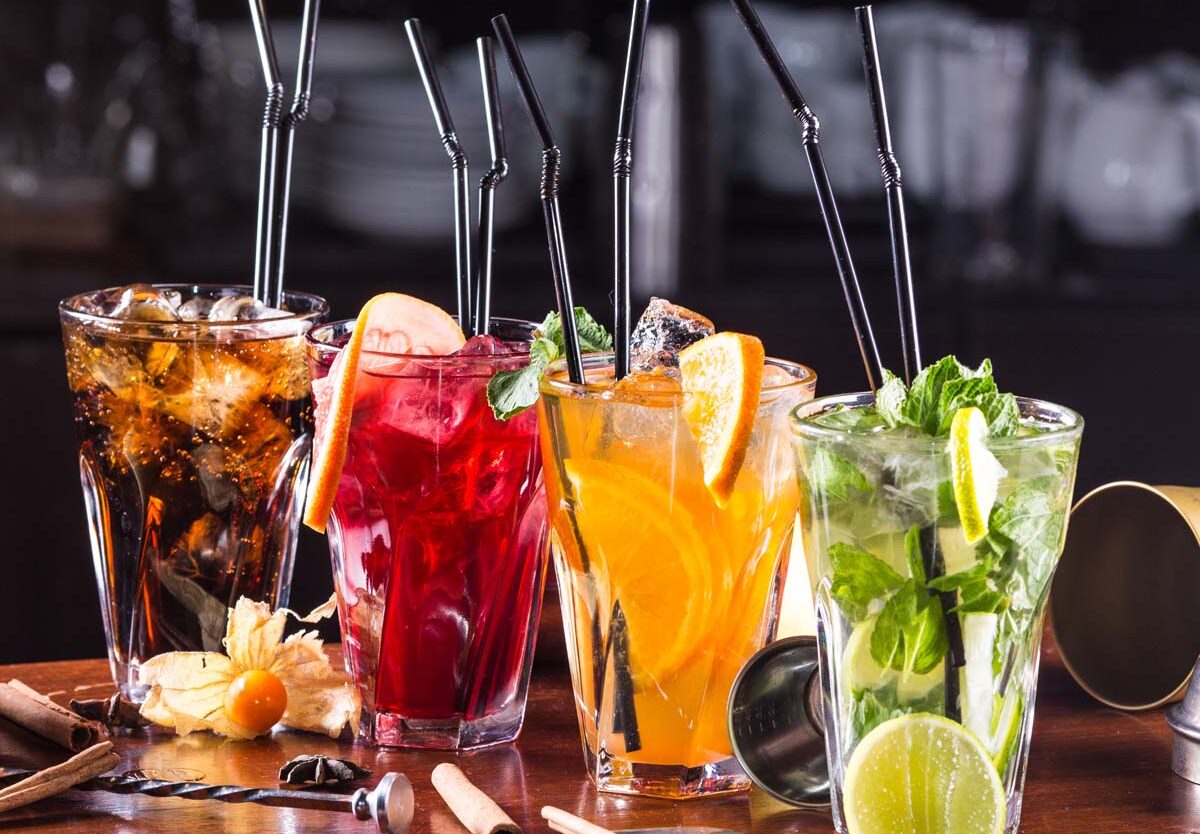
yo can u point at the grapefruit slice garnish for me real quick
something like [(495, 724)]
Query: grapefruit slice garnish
[(722, 382), (389, 323)]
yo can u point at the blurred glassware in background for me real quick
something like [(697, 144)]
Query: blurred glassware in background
[(83, 121), (1133, 170), (370, 164)]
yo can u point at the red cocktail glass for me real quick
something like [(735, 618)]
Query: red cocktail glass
[(438, 541)]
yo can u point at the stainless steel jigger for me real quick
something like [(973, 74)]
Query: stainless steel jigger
[(775, 722), (390, 804), (1184, 719)]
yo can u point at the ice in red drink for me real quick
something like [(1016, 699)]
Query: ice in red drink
[(438, 535)]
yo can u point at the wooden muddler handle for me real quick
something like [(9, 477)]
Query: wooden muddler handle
[(566, 823), (38, 714), (474, 808), (97, 759)]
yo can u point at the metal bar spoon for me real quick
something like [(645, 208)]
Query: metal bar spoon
[(390, 804)]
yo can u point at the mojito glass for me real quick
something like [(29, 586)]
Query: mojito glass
[(194, 437), (664, 594), (898, 644), (438, 540)]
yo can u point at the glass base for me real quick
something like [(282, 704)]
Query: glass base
[(389, 729), (612, 774), (126, 678)]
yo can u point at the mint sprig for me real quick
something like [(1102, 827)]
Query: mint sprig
[(511, 392), (940, 390)]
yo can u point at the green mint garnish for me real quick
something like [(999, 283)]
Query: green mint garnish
[(940, 390), (874, 706), (511, 392), (860, 578)]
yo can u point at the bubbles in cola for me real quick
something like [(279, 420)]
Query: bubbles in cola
[(663, 330)]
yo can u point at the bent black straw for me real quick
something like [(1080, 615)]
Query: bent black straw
[(298, 113), (490, 181), (458, 165), (810, 135), (268, 164), (910, 344), (551, 160), (622, 173)]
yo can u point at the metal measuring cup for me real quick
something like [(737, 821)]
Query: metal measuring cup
[(776, 725)]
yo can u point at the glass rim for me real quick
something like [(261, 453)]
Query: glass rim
[(318, 308), (565, 388), (322, 347), (1062, 423)]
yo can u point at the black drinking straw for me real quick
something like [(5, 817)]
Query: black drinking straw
[(910, 345), (490, 181), (298, 113), (551, 159), (268, 196), (458, 164), (622, 173), (859, 319)]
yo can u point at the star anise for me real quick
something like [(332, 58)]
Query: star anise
[(320, 770)]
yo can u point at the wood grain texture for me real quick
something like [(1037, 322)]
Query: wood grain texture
[(1093, 770)]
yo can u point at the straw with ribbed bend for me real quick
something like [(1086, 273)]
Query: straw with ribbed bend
[(490, 181), (458, 166), (910, 343), (551, 160), (810, 135), (275, 165), (622, 174)]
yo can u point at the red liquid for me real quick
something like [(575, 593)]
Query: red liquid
[(438, 537)]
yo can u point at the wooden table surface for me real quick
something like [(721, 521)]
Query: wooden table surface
[(1092, 770)]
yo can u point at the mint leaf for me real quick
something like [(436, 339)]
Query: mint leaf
[(890, 399), (593, 337), (859, 578), (872, 707), (912, 553), (841, 418), (977, 590), (511, 392), (832, 476), (910, 634)]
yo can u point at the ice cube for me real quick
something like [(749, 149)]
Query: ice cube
[(484, 345), (213, 393), (643, 386), (242, 308), (663, 330), (497, 485), (213, 473), (143, 302), (435, 409), (196, 309)]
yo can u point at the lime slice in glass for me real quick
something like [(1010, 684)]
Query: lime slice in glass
[(922, 774), (974, 472)]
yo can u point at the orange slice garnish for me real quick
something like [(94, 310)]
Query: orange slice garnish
[(722, 381), (389, 323)]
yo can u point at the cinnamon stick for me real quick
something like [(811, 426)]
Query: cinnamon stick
[(474, 808), (35, 712), (97, 759), (565, 823)]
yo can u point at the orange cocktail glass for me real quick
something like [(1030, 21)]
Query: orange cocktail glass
[(664, 593)]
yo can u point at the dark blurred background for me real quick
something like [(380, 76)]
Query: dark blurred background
[(1051, 153)]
